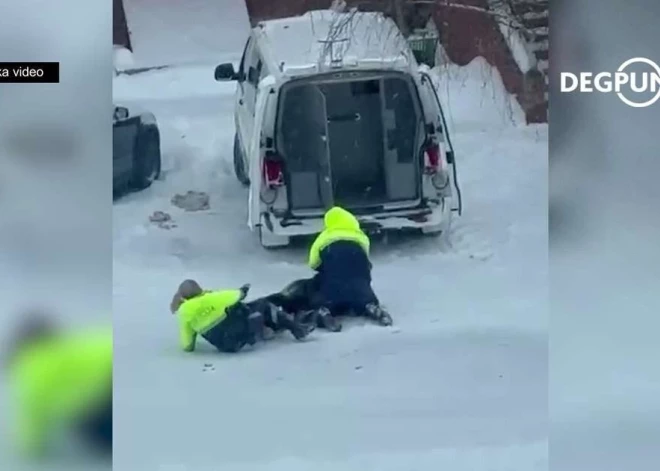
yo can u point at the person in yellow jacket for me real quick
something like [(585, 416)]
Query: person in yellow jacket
[(63, 386), (340, 256), (224, 320)]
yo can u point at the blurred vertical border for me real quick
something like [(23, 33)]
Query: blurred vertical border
[(55, 177), (604, 197)]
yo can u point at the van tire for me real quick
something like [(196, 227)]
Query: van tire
[(146, 157), (239, 163), (269, 240)]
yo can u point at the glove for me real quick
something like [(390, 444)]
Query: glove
[(245, 289)]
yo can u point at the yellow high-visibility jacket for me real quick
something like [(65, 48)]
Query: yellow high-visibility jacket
[(339, 225), (59, 381), (201, 313)]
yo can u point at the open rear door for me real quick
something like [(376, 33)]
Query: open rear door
[(442, 133), (255, 149), (302, 140)]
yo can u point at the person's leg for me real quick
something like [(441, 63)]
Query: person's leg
[(277, 319), (244, 324), (227, 336), (322, 307), (377, 313), (365, 303)]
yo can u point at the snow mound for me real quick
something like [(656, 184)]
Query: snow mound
[(122, 58), (474, 95), (165, 32), (170, 83)]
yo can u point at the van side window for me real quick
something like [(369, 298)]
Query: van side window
[(400, 102), (241, 67)]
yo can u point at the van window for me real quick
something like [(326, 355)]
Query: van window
[(241, 67), (400, 102)]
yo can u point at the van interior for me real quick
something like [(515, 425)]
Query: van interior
[(352, 140)]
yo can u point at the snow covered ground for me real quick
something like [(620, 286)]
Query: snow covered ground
[(460, 382), (171, 32)]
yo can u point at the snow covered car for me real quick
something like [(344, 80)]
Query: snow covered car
[(135, 150), (333, 109)]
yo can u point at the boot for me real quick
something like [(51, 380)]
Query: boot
[(326, 320), (299, 330), (378, 314)]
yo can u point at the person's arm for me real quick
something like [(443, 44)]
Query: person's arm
[(187, 336)]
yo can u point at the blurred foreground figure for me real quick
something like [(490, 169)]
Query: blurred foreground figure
[(224, 320), (63, 386)]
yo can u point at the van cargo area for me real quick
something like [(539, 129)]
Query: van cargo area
[(351, 139)]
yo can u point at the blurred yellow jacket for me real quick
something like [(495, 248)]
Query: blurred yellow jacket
[(59, 381), (202, 313), (339, 225)]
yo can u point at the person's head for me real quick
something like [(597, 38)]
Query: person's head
[(188, 289), (337, 218), (34, 326)]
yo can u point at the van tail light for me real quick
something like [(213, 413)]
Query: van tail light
[(273, 170), (432, 158)]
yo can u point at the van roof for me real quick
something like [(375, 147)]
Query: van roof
[(323, 40)]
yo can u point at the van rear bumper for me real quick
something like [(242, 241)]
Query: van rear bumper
[(427, 218)]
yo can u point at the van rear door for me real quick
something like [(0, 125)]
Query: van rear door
[(302, 140), (256, 147), (435, 112), (351, 139)]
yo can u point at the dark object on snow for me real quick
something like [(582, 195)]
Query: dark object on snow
[(276, 318), (192, 201), (301, 299), (136, 158), (245, 324), (240, 328)]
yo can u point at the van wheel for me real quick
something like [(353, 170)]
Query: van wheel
[(239, 163), (269, 240), (146, 157)]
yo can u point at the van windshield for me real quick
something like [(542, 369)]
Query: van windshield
[(352, 141)]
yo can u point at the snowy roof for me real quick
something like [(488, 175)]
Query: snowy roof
[(311, 43)]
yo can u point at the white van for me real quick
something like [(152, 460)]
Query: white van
[(332, 109)]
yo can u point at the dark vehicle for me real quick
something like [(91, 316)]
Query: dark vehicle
[(135, 150)]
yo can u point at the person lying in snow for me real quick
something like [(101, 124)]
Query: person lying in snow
[(63, 382), (224, 320), (342, 284)]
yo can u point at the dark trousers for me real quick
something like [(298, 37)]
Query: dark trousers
[(343, 280), (311, 294), (234, 332), (294, 298), (343, 297), (95, 428)]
